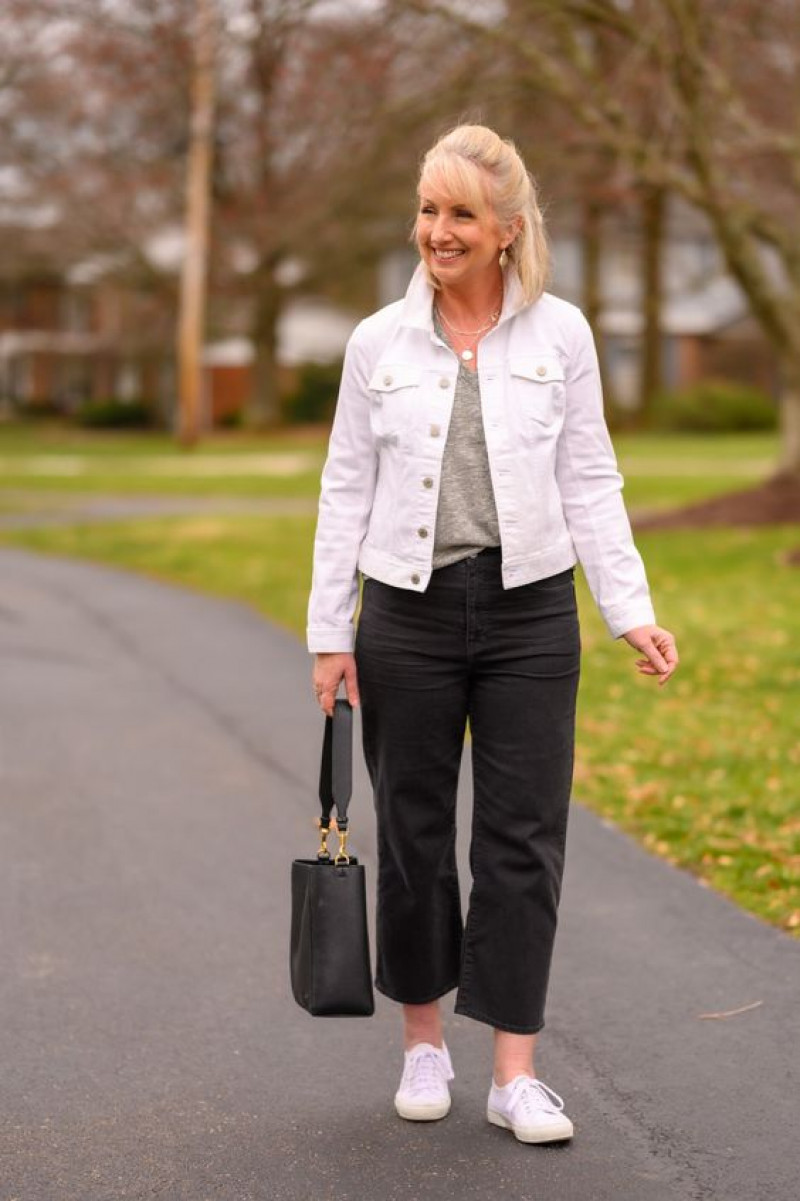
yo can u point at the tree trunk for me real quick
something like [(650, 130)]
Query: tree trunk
[(590, 236), (592, 301), (263, 408), (191, 322), (789, 461), (650, 378)]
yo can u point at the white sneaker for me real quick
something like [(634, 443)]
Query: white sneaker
[(423, 1095), (531, 1109)]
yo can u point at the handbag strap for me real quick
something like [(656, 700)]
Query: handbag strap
[(336, 776)]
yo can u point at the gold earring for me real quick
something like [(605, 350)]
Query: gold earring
[(503, 257)]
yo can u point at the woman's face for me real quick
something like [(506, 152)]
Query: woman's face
[(457, 245)]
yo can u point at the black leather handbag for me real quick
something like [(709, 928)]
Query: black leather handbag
[(330, 959)]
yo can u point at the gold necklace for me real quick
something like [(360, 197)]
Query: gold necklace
[(469, 333), (467, 355)]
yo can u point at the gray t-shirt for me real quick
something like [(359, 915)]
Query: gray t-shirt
[(466, 519)]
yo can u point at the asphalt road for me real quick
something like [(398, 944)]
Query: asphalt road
[(158, 763)]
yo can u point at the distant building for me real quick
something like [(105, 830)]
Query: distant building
[(92, 335), (309, 331), (65, 340), (707, 329)]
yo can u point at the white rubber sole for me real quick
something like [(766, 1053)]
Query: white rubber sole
[(422, 1113), (555, 1132)]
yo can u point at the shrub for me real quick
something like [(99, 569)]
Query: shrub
[(36, 410), (314, 396), (234, 420), (115, 414), (715, 406)]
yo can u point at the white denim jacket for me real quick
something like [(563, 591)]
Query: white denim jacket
[(554, 474)]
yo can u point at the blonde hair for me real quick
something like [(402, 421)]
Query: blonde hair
[(473, 164)]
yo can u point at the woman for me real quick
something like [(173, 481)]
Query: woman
[(469, 469)]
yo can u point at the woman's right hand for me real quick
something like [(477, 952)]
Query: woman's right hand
[(329, 671)]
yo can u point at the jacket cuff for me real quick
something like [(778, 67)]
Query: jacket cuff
[(619, 621), (326, 640)]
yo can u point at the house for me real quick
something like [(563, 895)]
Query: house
[(67, 339), (91, 335), (707, 328), (309, 331)]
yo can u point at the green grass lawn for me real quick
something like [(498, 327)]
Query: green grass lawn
[(664, 470), (706, 772), (51, 460), (54, 460)]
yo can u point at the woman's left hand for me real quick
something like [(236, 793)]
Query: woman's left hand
[(659, 647)]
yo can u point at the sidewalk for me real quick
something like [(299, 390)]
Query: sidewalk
[(34, 509), (158, 762)]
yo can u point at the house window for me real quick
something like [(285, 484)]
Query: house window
[(75, 312), (623, 365), (128, 382), (75, 384), (20, 380)]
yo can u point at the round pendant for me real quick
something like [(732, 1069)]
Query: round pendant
[(467, 355)]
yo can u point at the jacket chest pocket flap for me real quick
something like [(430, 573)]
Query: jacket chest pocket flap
[(537, 383), (394, 393)]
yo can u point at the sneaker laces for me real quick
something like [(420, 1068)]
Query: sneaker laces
[(427, 1070), (533, 1096)]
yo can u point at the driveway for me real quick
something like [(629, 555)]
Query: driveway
[(158, 763)]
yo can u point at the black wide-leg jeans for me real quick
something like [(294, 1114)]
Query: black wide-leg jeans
[(507, 661)]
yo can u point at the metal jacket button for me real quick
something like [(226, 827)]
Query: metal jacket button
[(415, 578), (387, 379), (427, 482), (435, 431), (541, 370), (423, 533), (444, 383)]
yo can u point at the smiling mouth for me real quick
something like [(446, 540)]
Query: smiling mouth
[(446, 256)]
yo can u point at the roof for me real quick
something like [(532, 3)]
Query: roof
[(706, 311)]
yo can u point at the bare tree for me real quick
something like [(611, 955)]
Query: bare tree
[(716, 130), (89, 169), (299, 185), (99, 124)]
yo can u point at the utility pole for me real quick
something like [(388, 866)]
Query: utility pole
[(191, 321)]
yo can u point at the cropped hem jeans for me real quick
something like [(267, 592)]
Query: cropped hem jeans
[(506, 661)]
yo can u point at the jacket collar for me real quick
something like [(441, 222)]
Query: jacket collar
[(417, 310)]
